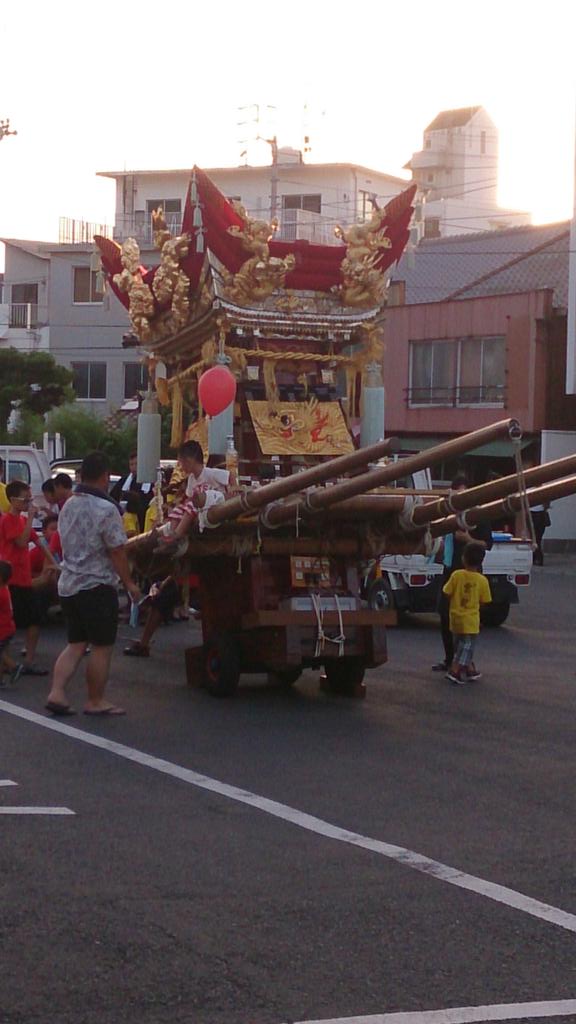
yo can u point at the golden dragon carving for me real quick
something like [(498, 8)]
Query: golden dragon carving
[(261, 274)]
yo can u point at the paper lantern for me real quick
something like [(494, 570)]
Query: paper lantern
[(216, 390)]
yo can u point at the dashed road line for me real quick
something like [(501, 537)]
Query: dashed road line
[(408, 858), (36, 810), (7, 782), (463, 1014)]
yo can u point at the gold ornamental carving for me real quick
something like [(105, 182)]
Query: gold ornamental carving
[(261, 274), (170, 284), (363, 284)]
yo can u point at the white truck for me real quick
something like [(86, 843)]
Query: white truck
[(411, 583), (27, 463)]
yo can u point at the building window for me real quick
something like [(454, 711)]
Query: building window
[(313, 203), (482, 142), (471, 371), (427, 143), (430, 179), (89, 380), (432, 372), (135, 379), (86, 286), (431, 227), (172, 212), (482, 371)]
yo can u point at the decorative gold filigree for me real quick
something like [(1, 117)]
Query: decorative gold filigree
[(170, 284), (262, 274), (363, 284), (141, 299), (289, 303)]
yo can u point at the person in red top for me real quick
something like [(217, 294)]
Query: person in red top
[(16, 534), (7, 627)]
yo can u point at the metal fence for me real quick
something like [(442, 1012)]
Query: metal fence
[(493, 394)]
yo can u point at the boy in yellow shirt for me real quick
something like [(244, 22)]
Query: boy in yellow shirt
[(467, 589)]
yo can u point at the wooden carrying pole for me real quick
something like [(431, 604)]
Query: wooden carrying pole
[(508, 506), (253, 500), (461, 500), (323, 497)]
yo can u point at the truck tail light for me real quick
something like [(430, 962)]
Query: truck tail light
[(419, 580), (522, 579)]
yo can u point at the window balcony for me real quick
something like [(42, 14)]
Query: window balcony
[(493, 395), (140, 228), (430, 159), (306, 225), (23, 315)]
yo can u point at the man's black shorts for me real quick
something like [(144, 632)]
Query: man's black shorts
[(25, 607), (92, 616)]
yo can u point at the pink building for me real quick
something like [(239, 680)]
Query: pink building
[(460, 364)]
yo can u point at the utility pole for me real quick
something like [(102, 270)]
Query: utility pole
[(273, 143), (5, 129), (571, 323), (255, 119)]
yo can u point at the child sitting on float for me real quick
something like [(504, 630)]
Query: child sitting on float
[(205, 487)]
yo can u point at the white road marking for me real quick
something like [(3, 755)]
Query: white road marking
[(36, 810), (463, 1014), (408, 858), (7, 782)]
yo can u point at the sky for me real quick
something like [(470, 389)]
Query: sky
[(114, 86)]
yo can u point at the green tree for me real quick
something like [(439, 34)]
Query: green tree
[(35, 380), (84, 432)]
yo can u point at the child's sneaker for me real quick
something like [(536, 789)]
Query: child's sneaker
[(456, 678), (473, 674)]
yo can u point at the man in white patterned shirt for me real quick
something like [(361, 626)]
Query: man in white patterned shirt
[(94, 559)]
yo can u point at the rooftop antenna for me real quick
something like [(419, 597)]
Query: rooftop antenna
[(5, 129)]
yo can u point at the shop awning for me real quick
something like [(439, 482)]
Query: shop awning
[(501, 449)]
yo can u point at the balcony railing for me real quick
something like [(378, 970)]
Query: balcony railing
[(293, 225), (140, 227), (23, 315), (493, 394), (307, 225), (81, 232)]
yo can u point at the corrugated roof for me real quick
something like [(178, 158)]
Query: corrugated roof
[(439, 267), (546, 267), (452, 118)]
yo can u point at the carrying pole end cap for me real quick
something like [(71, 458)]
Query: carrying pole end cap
[(515, 431)]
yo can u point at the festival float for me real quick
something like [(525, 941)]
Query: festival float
[(270, 355)]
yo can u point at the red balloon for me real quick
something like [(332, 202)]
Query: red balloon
[(216, 389)]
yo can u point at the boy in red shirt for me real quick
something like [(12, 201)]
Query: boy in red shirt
[(7, 628), (16, 534)]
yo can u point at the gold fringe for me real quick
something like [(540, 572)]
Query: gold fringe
[(270, 384), (177, 416)]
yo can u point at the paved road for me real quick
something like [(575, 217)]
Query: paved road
[(159, 902)]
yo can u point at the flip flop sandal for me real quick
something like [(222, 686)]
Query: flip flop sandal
[(33, 670), (64, 710), (112, 712), (137, 650)]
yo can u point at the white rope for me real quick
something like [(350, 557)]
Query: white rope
[(528, 532), (322, 639)]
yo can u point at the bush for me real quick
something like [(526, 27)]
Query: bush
[(84, 432)]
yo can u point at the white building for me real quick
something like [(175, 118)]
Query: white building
[(457, 173), (311, 199)]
